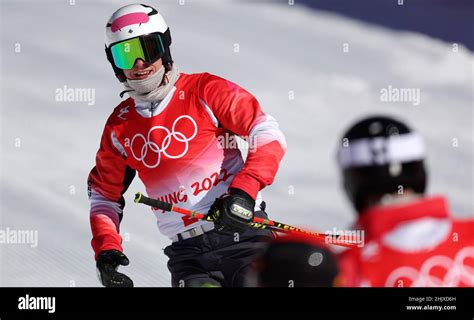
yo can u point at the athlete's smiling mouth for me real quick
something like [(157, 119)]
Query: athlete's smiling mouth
[(143, 74)]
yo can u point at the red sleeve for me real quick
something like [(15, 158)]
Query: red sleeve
[(107, 183), (239, 112)]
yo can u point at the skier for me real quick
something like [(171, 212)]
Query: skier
[(410, 238), (174, 131), (294, 261)]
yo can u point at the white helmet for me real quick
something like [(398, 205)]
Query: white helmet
[(149, 32)]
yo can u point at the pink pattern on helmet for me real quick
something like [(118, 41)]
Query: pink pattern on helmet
[(129, 19)]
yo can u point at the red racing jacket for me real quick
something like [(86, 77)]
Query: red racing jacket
[(185, 151), (414, 245)]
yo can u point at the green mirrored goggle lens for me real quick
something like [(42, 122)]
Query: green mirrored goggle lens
[(126, 52)]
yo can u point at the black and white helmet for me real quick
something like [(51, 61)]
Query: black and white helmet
[(380, 155), (296, 261)]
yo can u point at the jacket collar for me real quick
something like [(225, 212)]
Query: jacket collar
[(379, 220)]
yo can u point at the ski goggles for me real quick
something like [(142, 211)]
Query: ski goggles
[(148, 47)]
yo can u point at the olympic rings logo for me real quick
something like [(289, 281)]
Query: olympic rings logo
[(457, 271), (151, 146)]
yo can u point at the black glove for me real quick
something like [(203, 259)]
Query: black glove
[(232, 211), (107, 264)]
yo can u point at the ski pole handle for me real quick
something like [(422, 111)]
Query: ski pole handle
[(165, 206)]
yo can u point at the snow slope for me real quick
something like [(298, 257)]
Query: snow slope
[(48, 147)]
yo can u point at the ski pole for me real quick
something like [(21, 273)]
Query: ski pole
[(257, 223)]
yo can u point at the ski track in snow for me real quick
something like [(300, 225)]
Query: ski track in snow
[(281, 49)]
